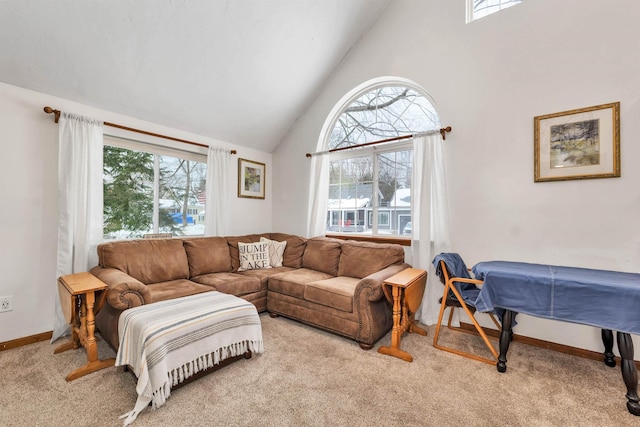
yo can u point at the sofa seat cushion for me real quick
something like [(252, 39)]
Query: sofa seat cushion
[(264, 274), (171, 289), (336, 292), (293, 282), (207, 255), (230, 283), (360, 259)]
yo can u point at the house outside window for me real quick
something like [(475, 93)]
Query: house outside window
[(150, 189), (370, 187)]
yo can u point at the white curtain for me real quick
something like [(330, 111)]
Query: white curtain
[(430, 219), (318, 195), (80, 219), (217, 203)]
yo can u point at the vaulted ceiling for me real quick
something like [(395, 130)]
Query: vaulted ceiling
[(240, 71)]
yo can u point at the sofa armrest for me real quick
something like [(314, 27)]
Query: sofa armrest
[(372, 284), (124, 291), (372, 307)]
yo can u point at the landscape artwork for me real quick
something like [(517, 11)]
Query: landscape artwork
[(251, 179), (575, 144)]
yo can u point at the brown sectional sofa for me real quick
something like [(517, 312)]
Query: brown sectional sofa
[(335, 285)]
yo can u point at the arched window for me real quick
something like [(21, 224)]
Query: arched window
[(477, 9), (370, 186)]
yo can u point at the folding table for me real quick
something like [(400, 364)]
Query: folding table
[(609, 300)]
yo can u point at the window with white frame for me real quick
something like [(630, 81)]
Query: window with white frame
[(477, 9), (150, 189), (370, 187)]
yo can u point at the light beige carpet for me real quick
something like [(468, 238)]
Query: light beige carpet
[(307, 377)]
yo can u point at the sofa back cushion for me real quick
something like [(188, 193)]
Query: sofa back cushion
[(149, 261), (360, 259), (322, 254), (293, 251), (207, 255)]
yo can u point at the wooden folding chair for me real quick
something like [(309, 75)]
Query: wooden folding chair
[(452, 298)]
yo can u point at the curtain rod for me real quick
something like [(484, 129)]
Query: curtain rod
[(442, 131), (56, 114)]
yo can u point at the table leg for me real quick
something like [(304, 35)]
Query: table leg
[(629, 373), (505, 339), (90, 344), (414, 328), (72, 344), (74, 341), (396, 332), (88, 339), (607, 340)]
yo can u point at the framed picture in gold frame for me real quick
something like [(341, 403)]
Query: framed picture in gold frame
[(577, 144), (251, 179)]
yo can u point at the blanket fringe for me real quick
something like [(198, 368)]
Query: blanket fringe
[(178, 375), (131, 416)]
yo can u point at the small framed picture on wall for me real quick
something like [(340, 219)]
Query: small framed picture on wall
[(251, 179)]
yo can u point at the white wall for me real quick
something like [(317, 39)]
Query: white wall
[(28, 218), (489, 79)]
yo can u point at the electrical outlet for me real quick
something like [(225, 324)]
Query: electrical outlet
[(6, 303)]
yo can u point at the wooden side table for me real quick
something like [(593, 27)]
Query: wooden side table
[(404, 290), (78, 299)]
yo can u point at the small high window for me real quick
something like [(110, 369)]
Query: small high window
[(477, 9)]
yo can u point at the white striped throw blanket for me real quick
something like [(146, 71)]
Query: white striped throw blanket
[(166, 342)]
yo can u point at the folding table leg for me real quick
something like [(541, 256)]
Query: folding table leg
[(629, 373), (505, 339), (607, 340)]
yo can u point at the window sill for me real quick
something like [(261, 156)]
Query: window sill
[(403, 241)]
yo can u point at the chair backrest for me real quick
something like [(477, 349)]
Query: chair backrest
[(460, 292), (449, 266)]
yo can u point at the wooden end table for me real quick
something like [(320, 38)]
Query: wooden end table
[(78, 301), (404, 290)]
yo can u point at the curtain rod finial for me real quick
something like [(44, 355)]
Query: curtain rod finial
[(56, 113)]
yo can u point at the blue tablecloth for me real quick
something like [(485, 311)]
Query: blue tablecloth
[(605, 299)]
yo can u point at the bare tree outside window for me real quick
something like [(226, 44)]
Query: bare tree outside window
[(181, 181), (383, 113)]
